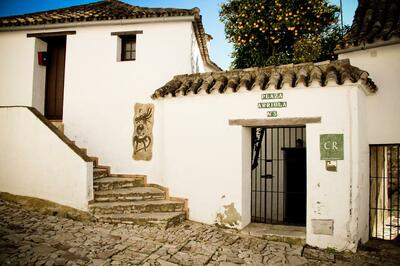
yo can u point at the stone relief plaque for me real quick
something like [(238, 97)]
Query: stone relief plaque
[(143, 132)]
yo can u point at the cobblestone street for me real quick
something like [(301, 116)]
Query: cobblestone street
[(30, 238)]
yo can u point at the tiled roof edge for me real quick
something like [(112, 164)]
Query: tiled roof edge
[(201, 37), (376, 22), (328, 73), (363, 45), (93, 4)]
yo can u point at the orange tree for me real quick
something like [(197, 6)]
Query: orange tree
[(271, 32)]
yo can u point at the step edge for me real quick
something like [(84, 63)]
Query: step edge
[(99, 180), (127, 215), (115, 191), (139, 202)]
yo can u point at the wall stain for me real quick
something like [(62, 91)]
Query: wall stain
[(230, 217)]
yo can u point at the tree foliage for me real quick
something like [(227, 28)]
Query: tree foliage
[(271, 32)]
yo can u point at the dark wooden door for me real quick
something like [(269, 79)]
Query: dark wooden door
[(55, 71), (296, 185)]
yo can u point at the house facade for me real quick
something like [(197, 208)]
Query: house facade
[(84, 68), (293, 107), (373, 43), (313, 145)]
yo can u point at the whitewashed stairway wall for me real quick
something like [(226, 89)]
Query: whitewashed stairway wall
[(123, 198)]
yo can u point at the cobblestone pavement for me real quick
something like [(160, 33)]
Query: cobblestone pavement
[(29, 238)]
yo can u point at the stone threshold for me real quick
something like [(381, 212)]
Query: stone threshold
[(295, 235)]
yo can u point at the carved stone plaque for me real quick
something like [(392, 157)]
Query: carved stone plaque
[(143, 132)]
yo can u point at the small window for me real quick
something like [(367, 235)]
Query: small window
[(128, 47), (126, 44)]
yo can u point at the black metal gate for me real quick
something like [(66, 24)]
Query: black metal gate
[(384, 191), (278, 175)]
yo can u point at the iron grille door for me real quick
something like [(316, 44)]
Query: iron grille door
[(278, 175), (384, 191)]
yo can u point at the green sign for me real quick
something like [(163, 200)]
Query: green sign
[(331, 147), (272, 105), (271, 96), (267, 102)]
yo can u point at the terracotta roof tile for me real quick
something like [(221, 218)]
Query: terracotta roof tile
[(275, 77), (374, 20), (110, 10), (103, 10)]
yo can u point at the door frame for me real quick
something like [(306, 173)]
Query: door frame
[(39, 79), (55, 77), (269, 194), (245, 133)]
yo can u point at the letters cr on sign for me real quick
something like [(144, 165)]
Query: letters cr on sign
[(331, 147)]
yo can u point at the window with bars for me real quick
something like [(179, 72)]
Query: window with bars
[(128, 47)]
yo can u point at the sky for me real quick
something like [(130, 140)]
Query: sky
[(220, 51)]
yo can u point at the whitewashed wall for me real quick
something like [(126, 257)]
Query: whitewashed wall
[(381, 112), (17, 53), (100, 91), (208, 161), (35, 162), (39, 78), (383, 65), (197, 60)]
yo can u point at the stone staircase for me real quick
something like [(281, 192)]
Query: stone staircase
[(129, 199), (120, 198)]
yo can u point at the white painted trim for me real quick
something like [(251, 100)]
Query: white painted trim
[(364, 46), (97, 23)]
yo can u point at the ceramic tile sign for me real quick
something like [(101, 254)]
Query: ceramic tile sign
[(143, 132), (331, 147), (272, 101), (271, 96)]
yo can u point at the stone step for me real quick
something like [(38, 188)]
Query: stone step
[(95, 160), (112, 183), (99, 172), (129, 194), (136, 207), (159, 219)]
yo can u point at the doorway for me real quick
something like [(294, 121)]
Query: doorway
[(278, 175), (55, 73)]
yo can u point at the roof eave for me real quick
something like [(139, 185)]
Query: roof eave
[(364, 46), (202, 42), (213, 66), (338, 73), (96, 23)]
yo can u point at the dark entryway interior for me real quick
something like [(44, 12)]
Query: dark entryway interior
[(278, 177), (384, 191), (55, 72)]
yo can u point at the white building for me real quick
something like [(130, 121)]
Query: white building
[(283, 145), (373, 44), (84, 68)]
